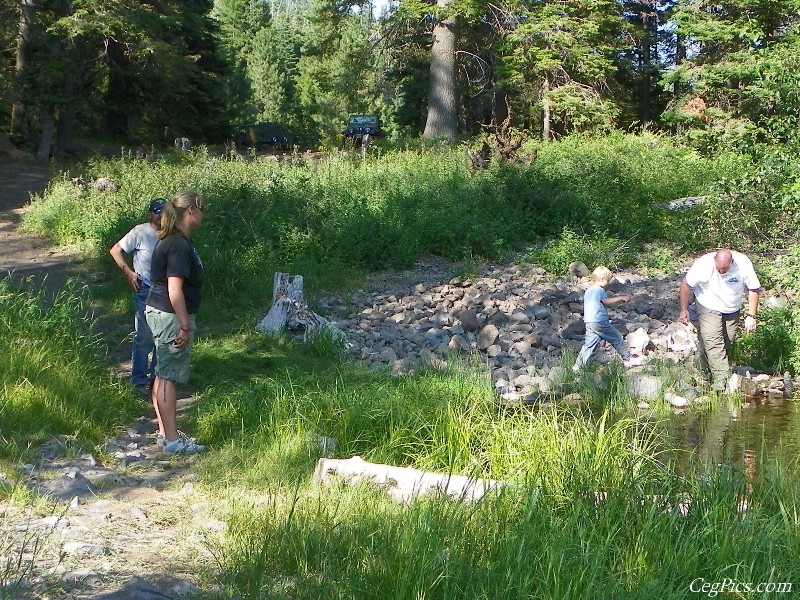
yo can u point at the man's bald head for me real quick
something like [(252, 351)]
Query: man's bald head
[(723, 260)]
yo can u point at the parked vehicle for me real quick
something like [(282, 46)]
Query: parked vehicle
[(360, 125), (264, 136)]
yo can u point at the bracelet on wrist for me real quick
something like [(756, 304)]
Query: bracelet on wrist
[(186, 329), (752, 316)]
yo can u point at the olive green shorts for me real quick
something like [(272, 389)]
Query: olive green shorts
[(171, 363)]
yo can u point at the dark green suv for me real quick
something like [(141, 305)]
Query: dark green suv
[(360, 125), (264, 136)]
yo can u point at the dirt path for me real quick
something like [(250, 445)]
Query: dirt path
[(21, 254), (134, 527)]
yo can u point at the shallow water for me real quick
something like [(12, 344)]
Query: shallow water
[(739, 433)]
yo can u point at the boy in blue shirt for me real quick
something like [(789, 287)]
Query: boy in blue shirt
[(598, 325)]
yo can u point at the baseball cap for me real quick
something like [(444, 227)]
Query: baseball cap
[(156, 205)]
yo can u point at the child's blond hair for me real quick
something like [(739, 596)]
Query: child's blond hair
[(602, 274)]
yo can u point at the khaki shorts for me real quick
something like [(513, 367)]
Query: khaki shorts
[(171, 363)]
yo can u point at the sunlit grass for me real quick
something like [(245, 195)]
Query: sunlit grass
[(53, 378)]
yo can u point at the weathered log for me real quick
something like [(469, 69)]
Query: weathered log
[(686, 202), (406, 484), (403, 483), (289, 310)]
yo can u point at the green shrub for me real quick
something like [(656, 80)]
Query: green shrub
[(774, 346), (591, 250)]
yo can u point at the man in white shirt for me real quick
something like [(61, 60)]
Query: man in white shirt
[(140, 241), (717, 281)]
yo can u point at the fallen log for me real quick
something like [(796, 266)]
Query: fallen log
[(686, 202), (404, 483)]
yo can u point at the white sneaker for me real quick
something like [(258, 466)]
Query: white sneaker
[(634, 361), (161, 439), (182, 446)]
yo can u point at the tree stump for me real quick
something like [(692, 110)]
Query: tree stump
[(403, 483), (289, 310)]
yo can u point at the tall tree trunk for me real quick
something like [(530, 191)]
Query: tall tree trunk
[(499, 104), (442, 117), (19, 121), (645, 83), (545, 110), (649, 23), (117, 97), (46, 141)]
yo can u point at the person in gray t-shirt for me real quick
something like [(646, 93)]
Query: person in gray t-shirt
[(140, 242)]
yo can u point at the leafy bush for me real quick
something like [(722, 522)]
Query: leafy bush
[(774, 346), (592, 251), (759, 206)]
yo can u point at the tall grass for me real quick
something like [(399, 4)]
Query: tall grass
[(536, 539), (332, 219), (53, 377), (592, 508)]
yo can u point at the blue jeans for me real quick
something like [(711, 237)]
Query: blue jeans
[(142, 369), (597, 332)]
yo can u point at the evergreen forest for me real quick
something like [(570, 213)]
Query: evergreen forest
[(722, 73)]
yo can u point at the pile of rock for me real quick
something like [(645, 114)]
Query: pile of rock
[(521, 321)]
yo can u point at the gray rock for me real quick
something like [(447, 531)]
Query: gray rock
[(643, 386), (542, 312), (675, 400), (637, 341), (387, 355), (75, 547), (69, 485), (426, 357), (487, 336), (578, 269), (519, 317), (575, 329), (458, 344), (469, 320), (776, 301), (139, 589), (522, 347)]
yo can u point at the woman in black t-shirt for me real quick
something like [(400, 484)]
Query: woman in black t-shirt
[(177, 281)]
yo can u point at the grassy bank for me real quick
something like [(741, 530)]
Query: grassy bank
[(530, 542)]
